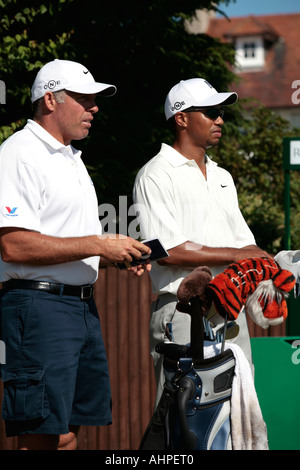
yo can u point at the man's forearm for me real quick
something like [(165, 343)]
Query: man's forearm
[(191, 254), (34, 248), (27, 247)]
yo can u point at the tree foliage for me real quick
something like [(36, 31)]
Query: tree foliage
[(142, 47), (31, 34), (252, 151)]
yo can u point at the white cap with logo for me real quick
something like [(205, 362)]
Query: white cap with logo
[(196, 92), (67, 75)]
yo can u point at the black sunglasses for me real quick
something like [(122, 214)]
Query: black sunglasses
[(212, 113)]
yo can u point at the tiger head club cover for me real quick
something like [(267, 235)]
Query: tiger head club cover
[(258, 284)]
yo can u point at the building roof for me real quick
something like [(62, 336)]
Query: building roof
[(249, 26), (272, 84)]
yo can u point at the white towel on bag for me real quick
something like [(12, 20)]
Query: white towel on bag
[(248, 428)]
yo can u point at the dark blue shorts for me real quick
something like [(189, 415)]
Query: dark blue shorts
[(55, 373)]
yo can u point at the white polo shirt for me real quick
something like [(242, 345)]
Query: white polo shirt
[(177, 204), (45, 187)]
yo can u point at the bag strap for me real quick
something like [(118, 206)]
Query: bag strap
[(155, 437)]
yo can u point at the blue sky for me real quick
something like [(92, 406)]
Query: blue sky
[(260, 7)]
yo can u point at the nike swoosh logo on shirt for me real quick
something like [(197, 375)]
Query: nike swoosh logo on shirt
[(224, 185)]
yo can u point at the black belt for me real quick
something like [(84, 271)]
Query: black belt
[(84, 292)]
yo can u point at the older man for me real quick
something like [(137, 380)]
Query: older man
[(56, 374)]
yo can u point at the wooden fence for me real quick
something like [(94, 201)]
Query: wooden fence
[(124, 308)]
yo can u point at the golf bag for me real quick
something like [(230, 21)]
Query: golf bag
[(194, 410)]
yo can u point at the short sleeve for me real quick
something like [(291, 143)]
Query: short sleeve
[(20, 190)]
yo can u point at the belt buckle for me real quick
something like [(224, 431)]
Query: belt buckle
[(86, 292)]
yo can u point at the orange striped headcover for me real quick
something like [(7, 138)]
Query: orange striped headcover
[(230, 289)]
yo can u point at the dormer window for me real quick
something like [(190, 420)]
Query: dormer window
[(250, 52)]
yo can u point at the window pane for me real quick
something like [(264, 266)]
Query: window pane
[(249, 49)]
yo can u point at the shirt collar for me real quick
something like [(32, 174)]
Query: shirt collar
[(44, 135), (176, 159)]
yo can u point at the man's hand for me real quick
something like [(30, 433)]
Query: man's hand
[(128, 249), (119, 248), (139, 270), (251, 251)]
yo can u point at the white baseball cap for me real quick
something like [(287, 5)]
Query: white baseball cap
[(67, 75), (196, 92)]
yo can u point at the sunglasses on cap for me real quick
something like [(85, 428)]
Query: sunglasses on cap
[(212, 113)]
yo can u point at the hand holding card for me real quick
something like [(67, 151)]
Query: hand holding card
[(157, 252)]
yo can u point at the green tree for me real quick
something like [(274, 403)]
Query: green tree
[(30, 36), (251, 150)]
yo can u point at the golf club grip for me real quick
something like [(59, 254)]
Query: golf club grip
[(197, 329)]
